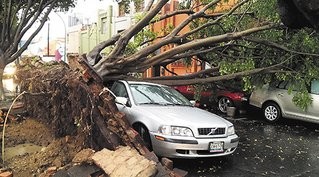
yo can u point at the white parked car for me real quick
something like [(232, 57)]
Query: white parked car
[(170, 125), (276, 102)]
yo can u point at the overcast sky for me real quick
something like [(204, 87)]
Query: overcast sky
[(88, 9)]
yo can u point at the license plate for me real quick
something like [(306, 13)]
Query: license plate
[(216, 147)]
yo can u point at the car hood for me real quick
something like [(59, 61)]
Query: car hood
[(183, 116)]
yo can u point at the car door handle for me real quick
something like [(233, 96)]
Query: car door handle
[(280, 94)]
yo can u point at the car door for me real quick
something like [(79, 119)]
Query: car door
[(289, 108), (120, 90), (313, 108)]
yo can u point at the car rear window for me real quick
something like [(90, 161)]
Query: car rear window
[(315, 87)]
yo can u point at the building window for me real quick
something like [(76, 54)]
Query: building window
[(315, 87), (178, 63), (74, 20), (104, 25)]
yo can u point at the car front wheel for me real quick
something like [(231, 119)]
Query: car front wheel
[(223, 102), (272, 112), (145, 135)]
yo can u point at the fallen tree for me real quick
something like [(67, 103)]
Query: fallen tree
[(74, 102), (208, 35), (243, 40)]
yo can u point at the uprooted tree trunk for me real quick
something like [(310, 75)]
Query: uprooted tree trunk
[(73, 101)]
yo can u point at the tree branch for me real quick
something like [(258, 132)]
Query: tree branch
[(171, 14), (191, 17), (165, 67), (9, 13), (195, 75), (220, 16), (277, 46), (139, 63), (21, 33), (149, 5), (245, 12), (24, 47), (4, 23), (14, 19), (94, 54), (217, 78), (202, 43), (135, 59), (151, 40), (191, 53), (23, 20), (129, 33)]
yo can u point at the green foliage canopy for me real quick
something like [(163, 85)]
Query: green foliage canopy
[(296, 51)]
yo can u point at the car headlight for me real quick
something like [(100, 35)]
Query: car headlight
[(231, 130), (175, 130)]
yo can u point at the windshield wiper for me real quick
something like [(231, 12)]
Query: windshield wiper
[(152, 103), (177, 104), (165, 104)]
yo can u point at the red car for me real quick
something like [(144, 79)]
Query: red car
[(222, 96)]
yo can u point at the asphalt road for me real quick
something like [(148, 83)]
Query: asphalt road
[(287, 148)]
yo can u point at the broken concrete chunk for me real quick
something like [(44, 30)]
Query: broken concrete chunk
[(124, 162)]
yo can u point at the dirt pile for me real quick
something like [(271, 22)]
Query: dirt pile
[(55, 152)]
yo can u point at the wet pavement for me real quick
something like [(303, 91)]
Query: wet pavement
[(287, 148)]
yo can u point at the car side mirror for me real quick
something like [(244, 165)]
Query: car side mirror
[(121, 100), (193, 102)]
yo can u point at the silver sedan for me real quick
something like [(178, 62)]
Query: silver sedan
[(276, 102), (170, 125)]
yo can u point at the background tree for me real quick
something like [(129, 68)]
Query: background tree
[(20, 19)]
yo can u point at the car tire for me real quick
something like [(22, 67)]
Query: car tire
[(272, 112), (223, 102), (145, 135)]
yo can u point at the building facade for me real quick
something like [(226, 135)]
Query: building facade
[(180, 67), (82, 37)]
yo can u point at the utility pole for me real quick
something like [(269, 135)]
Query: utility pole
[(48, 40)]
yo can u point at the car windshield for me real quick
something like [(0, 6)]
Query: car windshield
[(154, 94)]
